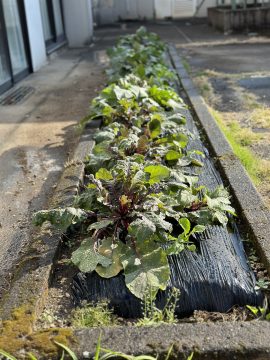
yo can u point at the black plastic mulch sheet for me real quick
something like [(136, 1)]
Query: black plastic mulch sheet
[(214, 278)]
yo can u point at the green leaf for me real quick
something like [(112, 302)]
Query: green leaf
[(185, 224), (87, 259), (178, 118), (253, 309), (173, 155), (104, 174), (100, 224), (62, 218), (141, 229), (68, 350), (154, 128), (122, 93), (7, 355), (157, 173), (148, 271), (158, 221), (112, 251), (198, 229), (191, 247)]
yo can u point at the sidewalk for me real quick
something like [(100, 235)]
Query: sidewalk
[(37, 137)]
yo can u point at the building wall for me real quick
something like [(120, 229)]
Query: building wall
[(78, 21), (35, 34), (78, 26)]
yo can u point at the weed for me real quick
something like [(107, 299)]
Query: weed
[(262, 284), (259, 312), (154, 316), (186, 65), (100, 354), (247, 158), (92, 315), (261, 116)]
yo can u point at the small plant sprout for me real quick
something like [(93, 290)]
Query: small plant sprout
[(154, 316)]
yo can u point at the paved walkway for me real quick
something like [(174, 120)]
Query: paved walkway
[(37, 137)]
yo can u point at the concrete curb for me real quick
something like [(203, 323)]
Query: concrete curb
[(248, 201), (32, 279), (210, 341)]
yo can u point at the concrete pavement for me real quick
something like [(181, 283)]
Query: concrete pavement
[(37, 137)]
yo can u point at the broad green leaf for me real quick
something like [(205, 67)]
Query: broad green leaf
[(175, 105), (147, 272), (185, 224), (198, 229), (112, 251), (86, 258), (173, 155), (154, 128), (178, 118), (141, 229), (122, 93), (104, 136), (100, 224), (157, 173), (104, 174), (62, 218), (158, 221), (181, 139)]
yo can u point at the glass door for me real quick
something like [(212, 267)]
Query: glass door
[(14, 60), (15, 37)]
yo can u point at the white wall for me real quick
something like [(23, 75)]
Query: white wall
[(163, 9), (202, 12), (78, 21), (35, 33)]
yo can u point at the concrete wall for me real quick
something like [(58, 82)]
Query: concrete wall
[(163, 9), (78, 21), (202, 7), (35, 33), (111, 11), (228, 20)]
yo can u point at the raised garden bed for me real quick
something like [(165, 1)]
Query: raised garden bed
[(146, 198), (227, 19)]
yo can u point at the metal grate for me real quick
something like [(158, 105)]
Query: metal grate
[(16, 96)]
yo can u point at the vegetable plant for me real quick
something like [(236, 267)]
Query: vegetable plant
[(141, 201)]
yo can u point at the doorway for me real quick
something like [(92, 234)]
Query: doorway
[(52, 23), (14, 54)]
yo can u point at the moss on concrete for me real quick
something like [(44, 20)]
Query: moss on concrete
[(17, 336)]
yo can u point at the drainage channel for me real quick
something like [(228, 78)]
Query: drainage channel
[(44, 283)]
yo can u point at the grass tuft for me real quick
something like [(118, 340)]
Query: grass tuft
[(247, 158), (92, 315)]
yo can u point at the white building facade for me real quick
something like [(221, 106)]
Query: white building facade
[(30, 30), (109, 11)]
